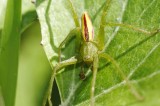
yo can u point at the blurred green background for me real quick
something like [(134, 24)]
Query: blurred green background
[(33, 66)]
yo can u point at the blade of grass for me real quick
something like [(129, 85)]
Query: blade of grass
[(9, 48)]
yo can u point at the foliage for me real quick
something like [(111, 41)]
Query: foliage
[(136, 53)]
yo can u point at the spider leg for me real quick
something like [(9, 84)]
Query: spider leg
[(57, 68), (132, 88), (134, 28), (101, 33), (95, 67), (75, 16), (75, 32)]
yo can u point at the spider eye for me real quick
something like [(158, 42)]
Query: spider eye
[(87, 28)]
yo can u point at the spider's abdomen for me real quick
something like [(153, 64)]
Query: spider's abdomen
[(87, 28)]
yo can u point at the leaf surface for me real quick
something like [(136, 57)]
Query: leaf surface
[(136, 53)]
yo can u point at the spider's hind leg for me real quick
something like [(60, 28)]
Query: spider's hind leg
[(118, 69)]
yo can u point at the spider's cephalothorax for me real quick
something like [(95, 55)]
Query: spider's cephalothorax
[(87, 49)]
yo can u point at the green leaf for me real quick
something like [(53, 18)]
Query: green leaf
[(136, 53), (9, 48)]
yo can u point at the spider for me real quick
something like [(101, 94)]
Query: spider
[(90, 50)]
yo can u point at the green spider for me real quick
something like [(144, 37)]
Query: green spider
[(90, 50)]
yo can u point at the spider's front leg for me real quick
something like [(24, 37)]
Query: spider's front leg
[(95, 67), (75, 32), (57, 68)]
